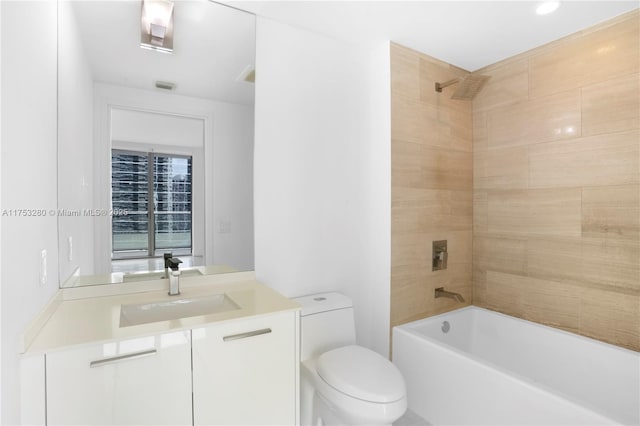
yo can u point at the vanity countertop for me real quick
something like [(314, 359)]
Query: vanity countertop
[(92, 319)]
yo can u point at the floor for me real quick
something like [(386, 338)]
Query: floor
[(411, 419)]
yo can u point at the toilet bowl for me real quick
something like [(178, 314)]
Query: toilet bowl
[(342, 383)]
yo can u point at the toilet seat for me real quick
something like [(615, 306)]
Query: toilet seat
[(357, 411), (361, 373)]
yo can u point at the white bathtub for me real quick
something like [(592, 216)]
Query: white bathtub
[(492, 369)]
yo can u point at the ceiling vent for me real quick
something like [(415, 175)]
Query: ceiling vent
[(165, 85)]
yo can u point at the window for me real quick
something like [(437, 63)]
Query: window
[(155, 190)]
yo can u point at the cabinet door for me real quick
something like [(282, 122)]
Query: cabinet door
[(244, 372), (142, 381)]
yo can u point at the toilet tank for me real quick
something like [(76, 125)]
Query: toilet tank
[(327, 323)]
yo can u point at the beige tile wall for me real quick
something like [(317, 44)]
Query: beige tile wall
[(536, 185), (556, 176), (431, 186)]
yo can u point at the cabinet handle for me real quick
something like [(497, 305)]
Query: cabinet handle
[(247, 334), (113, 360)]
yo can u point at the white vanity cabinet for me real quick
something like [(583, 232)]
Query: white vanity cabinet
[(141, 381), (245, 371), (218, 367)]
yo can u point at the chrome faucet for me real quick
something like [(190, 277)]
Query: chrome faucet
[(174, 276), (167, 257), (441, 292)]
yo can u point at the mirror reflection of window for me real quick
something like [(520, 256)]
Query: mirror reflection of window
[(172, 204), (143, 229)]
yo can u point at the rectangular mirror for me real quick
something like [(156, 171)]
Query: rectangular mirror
[(155, 145)]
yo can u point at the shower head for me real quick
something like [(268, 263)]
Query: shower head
[(469, 86)]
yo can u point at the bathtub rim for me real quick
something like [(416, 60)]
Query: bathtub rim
[(410, 329), (525, 321)]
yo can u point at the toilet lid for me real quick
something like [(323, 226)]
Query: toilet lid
[(361, 373)]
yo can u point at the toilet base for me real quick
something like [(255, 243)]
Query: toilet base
[(324, 414), (317, 410)]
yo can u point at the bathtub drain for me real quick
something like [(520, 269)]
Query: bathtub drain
[(445, 327)]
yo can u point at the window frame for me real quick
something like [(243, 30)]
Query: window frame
[(151, 251)]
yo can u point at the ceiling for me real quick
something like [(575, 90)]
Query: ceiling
[(468, 34), (213, 45)]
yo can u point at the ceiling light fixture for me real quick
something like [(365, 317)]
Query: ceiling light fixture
[(156, 25), (547, 7)]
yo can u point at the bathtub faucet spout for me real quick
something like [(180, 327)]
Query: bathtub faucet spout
[(441, 292)]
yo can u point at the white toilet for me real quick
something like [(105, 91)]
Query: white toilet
[(342, 383)]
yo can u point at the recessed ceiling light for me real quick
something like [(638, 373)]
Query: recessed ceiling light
[(547, 7)]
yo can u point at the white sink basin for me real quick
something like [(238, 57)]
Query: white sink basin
[(175, 309), (145, 276)]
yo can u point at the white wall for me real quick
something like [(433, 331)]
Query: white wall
[(0, 216), (28, 176), (375, 291), (322, 172), (144, 127), (233, 178), (75, 144)]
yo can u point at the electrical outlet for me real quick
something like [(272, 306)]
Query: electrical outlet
[(43, 267)]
